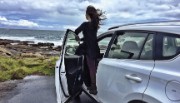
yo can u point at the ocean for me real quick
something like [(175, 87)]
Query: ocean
[(44, 36)]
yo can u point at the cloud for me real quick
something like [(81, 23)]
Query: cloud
[(21, 23), (62, 14)]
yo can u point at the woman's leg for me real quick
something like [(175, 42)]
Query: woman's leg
[(92, 69)]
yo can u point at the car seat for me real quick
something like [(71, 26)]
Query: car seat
[(170, 51), (132, 47), (124, 52)]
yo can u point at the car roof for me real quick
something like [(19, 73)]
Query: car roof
[(167, 27)]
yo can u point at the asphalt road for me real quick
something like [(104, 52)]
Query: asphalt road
[(37, 89)]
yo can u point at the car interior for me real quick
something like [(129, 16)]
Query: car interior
[(170, 46), (129, 47)]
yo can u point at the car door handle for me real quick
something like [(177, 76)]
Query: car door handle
[(134, 78)]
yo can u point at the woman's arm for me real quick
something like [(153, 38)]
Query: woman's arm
[(80, 28)]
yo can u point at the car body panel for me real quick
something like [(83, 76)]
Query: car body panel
[(57, 82), (112, 84), (164, 72)]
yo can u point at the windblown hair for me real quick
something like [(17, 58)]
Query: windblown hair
[(96, 16)]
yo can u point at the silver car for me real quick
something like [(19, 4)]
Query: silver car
[(139, 63)]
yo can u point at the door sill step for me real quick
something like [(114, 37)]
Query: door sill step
[(94, 97)]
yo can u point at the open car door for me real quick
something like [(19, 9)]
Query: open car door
[(71, 66)]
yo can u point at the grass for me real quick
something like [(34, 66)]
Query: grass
[(18, 68)]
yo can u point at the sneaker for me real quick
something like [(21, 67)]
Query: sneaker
[(93, 91), (89, 88)]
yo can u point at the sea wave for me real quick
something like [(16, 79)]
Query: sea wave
[(56, 42)]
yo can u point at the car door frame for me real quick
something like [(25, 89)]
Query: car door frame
[(103, 36), (65, 92), (61, 62)]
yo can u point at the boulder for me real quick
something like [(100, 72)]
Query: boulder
[(34, 45), (18, 46), (5, 41), (25, 42), (57, 48), (45, 44)]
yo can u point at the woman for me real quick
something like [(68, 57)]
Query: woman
[(89, 30)]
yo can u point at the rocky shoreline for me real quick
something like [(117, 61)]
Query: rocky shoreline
[(27, 48), (22, 58)]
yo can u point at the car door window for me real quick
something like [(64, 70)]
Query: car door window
[(171, 46), (178, 42), (71, 44), (103, 44), (127, 46), (147, 52)]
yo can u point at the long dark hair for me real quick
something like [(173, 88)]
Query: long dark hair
[(96, 16)]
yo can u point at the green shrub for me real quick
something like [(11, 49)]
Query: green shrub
[(18, 74)]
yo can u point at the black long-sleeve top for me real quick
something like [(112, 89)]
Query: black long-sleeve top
[(90, 39)]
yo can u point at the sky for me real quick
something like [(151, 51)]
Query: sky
[(69, 14)]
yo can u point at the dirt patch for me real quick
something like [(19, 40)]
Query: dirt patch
[(7, 87)]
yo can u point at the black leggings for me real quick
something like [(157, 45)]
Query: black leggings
[(92, 65)]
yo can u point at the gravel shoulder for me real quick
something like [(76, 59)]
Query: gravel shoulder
[(7, 87), (33, 89)]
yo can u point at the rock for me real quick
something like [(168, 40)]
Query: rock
[(32, 55), (6, 86), (18, 47), (57, 48), (28, 48), (5, 51), (2, 46), (34, 45), (38, 55), (46, 47), (45, 44), (51, 53), (14, 43), (5, 41), (25, 42)]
